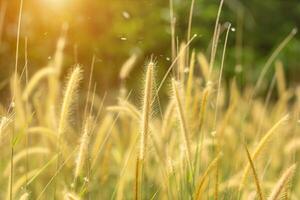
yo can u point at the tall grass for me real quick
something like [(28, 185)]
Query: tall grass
[(193, 149), (145, 128)]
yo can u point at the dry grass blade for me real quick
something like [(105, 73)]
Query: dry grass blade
[(25, 152), (56, 173), (203, 105), (257, 183), (167, 120), (281, 83), (260, 146), (138, 181), (182, 120), (282, 183), (190, 80), (172, 28), (215, 40), (35, 80), (127, 108), (203, 178), (216, 192), (181, 62), (221, 73), (20, 182), (103, 128), (204, 66), (172, 66), (40, 170), (17, 104), (190, 23), (272, 58)]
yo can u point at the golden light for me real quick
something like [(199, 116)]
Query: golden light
[(56, 3)]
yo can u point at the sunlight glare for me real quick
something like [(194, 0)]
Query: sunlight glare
[(56, 3)]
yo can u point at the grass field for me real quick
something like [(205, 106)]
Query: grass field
[(206, 140)]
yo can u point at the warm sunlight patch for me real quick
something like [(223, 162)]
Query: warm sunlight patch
[(56, 3)]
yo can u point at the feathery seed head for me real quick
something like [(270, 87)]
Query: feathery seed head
[(146, 112), (128, 66), (69, 97), (83, 149)]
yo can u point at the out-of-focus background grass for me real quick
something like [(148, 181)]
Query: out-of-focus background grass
[(113, 30)]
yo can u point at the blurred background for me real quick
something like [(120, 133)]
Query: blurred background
[(115, 29)]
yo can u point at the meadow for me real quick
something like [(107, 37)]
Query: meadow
[(190, 135)]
